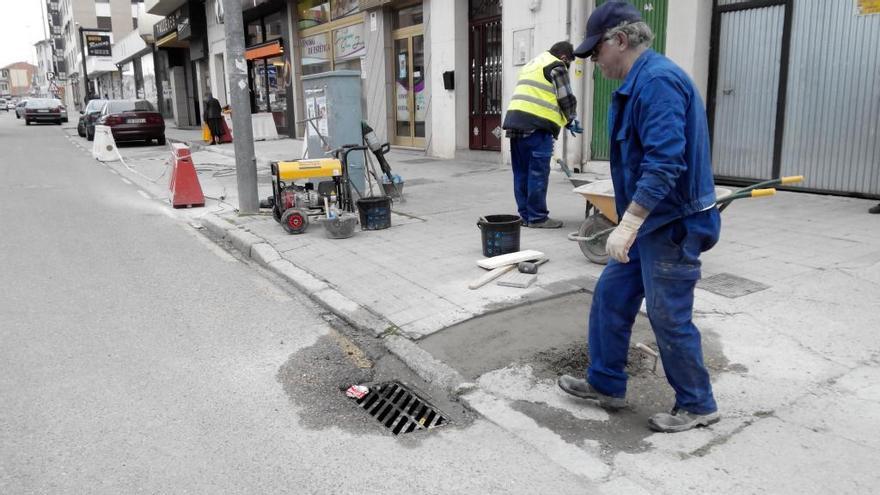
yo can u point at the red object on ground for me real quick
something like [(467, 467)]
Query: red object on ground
[(184, 186), (227, 133)]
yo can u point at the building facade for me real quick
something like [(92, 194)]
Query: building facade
[(17, 80), (437, 75)]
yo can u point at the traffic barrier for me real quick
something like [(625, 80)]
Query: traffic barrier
[(184, 186), (104, 146)]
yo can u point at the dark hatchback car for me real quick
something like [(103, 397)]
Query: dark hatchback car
[(88, 116), (132, 120), (43, 110)]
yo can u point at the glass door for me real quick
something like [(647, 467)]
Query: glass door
[(410, 97)]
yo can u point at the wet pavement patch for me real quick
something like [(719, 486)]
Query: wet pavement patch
[(400, 409), (316, 377)]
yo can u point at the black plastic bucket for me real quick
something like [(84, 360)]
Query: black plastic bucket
[(375, 213), (500, 234)]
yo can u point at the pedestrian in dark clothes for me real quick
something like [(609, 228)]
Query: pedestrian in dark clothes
[(214, 118)]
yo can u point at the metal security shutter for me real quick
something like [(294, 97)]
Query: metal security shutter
[(832, 121), (746, 92), (654, 13)]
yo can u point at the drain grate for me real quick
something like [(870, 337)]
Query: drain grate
[(400, 409), (728, 285)]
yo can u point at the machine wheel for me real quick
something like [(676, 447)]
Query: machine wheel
[(294, 221), (595, 250)]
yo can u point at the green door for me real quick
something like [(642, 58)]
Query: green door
[(654, 13)]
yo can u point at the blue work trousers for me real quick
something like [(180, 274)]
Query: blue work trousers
[(531, 168), (664, 268)]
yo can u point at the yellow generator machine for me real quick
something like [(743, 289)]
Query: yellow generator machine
[(293, 203)]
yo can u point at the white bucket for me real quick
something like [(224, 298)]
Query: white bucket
[(104, 147)]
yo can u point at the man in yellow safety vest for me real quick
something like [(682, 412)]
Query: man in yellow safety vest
[(541, 105)]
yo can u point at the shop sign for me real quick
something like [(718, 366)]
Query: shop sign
[(98, 45), (165, 26), (349, 42), (315, 49), (867, 7)]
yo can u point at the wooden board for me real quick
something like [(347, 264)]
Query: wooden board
[(510, 259)]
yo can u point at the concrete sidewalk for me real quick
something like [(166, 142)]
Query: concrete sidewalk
[(801, 400)]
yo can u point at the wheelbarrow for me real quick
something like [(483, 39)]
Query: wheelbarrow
[(601, 212)]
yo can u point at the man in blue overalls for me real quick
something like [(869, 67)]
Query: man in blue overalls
[(665, 197)]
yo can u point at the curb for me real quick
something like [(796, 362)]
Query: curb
[(325, 295)]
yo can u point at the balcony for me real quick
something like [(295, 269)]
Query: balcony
[(163, 7)]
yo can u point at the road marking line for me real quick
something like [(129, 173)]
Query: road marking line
[(145, 195), (113, 171), (123, 179)]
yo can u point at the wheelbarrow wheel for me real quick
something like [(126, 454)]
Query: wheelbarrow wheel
[(595, 250), (294, 221)]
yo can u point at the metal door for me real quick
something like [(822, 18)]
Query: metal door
[(832, 119), (410, 100), (654, 13), (485, 84), (744, 96)]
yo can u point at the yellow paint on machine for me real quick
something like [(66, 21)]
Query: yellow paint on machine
[(867, 7), (305, 169)]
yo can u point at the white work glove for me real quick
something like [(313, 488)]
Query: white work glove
[(622, 237)]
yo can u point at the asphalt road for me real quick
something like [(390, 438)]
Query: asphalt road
[(138, 356)]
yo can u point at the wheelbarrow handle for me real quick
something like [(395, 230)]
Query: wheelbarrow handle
[(791, 179)]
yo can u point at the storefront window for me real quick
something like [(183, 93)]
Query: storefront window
[(313, 13), (254, 33), (149, 73), (258, 76), (129, 89), (342, 8), (277, 89), (408, 16), (315, 54), (273, 26)]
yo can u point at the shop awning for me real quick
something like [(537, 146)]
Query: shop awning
[(171, 41), (269, 49)]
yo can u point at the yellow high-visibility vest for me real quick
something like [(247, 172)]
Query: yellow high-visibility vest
[(534, 94)]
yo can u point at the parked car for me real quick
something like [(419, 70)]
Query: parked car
[(132, 120), (88, 116), (19, 109), (63, 114), (4, 105), (43, 110)]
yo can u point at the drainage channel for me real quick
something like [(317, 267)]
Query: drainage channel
[(400, 409)]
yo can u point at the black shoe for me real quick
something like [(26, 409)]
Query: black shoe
[(875, 209), (549, 223), (579, 387)]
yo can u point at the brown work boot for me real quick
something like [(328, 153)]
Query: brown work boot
[(579, 387)]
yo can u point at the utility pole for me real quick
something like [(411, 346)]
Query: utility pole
[(86, 92), (242, 130)]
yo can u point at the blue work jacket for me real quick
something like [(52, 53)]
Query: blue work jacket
[(660, 156)]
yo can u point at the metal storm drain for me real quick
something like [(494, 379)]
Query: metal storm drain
[(727, 285), (398, 408)]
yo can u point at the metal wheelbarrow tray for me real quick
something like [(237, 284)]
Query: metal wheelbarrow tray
[(601, 212)]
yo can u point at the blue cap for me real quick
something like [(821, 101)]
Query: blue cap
[(605, 17)]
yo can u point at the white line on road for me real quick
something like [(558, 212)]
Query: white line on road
[(123, 179), (145, 195), (113, 171)]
